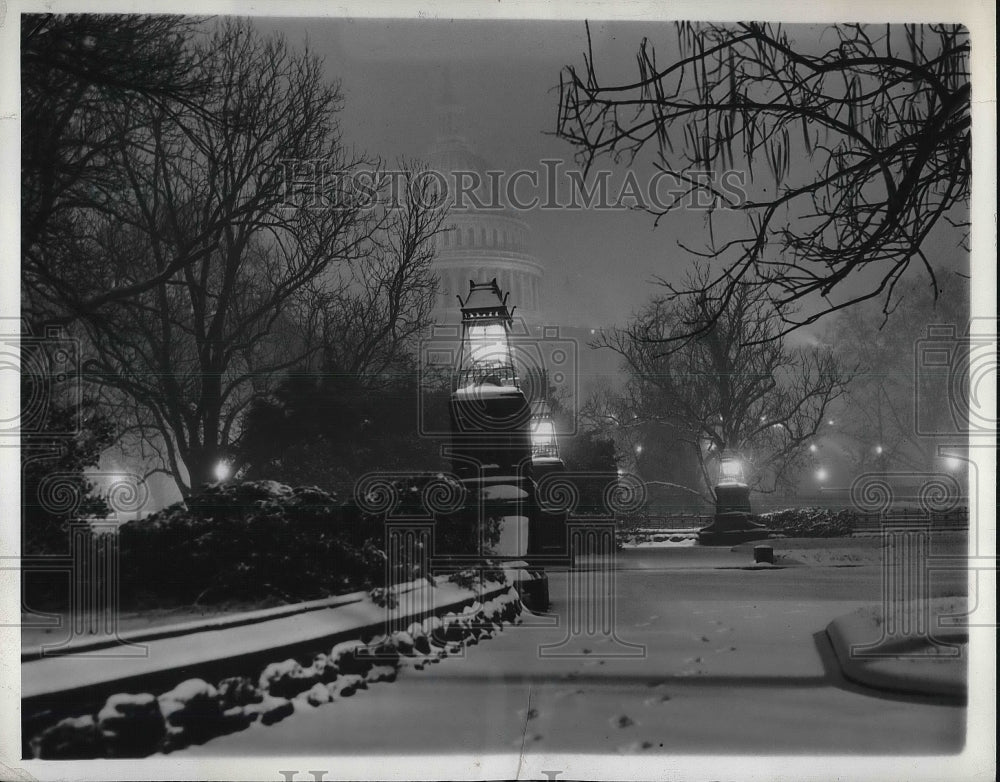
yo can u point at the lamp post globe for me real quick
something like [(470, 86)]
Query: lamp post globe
[(545, 456)]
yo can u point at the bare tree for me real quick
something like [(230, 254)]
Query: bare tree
[(877, 121), (186, 356), (733, 386), (85, 80), (370, 321)]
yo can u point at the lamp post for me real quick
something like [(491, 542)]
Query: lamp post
[(489, 413), (732, 522), (549, 541), (491, 450)]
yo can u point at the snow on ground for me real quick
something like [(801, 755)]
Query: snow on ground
[(702, 660)]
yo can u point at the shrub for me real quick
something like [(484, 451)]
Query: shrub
[(250, 540), (810, 522)]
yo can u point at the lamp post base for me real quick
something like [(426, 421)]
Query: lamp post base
[(531, 583), (732, 523)]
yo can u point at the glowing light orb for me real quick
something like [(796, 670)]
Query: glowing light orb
[(222, 471)]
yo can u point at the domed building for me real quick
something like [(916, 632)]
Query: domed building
[(485, 237)]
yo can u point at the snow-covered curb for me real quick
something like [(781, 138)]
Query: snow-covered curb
[(935, 664), (139, 724)]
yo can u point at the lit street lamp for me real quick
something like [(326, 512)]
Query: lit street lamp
[(491, 446), (489, 413), (548, 541), (732, 522), (545, 456), (731, 472)]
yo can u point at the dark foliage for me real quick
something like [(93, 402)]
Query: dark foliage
[(330, 429), (54, 488), (257, 539), (811, 522), (251, 540)]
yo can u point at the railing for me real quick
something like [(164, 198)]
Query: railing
[(675, 521), (955, 519), (478, 374)]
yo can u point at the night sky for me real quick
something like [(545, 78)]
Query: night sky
[(599, 263)]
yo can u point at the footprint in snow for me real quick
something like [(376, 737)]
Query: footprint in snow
[(635, 746), (622, 721)]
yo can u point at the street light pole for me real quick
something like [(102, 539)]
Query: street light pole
[(549, 533), (491, 448), (732, 522)]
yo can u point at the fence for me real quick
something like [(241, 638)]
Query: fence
[(674, 521), (956, 519)]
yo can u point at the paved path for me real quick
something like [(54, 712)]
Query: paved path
[(735, 661)]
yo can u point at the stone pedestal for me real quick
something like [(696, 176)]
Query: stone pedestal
[(733, 522)]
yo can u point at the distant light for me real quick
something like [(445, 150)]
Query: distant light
[(812, 448), (952, 463), (593, 331), (222, 471), (621, 473), (821, 475), (830, 422), (878, 449), (638, 448)]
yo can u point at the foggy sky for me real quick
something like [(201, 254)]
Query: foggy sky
[(599, 264), (506, 75)]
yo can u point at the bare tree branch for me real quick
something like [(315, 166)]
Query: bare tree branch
[(879, 124), (735, 385)]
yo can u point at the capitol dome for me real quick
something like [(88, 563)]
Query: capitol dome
[(484, 236)]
